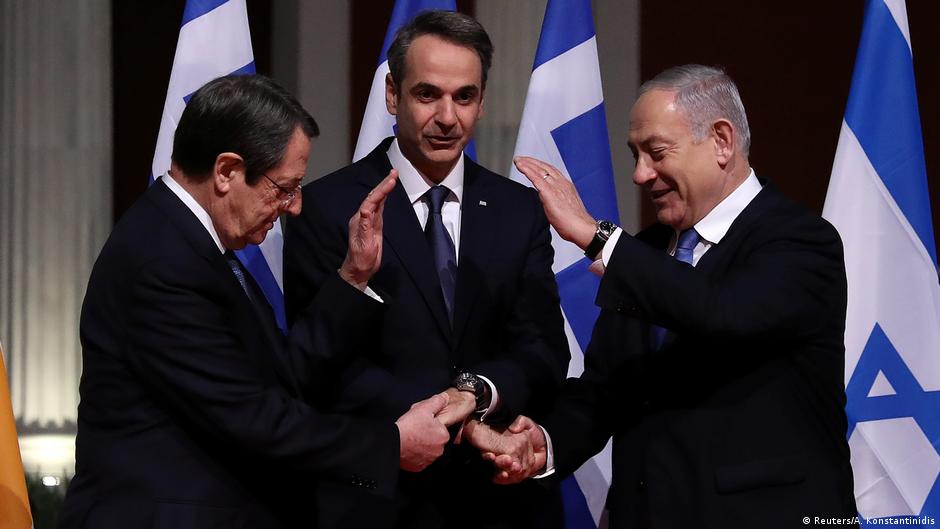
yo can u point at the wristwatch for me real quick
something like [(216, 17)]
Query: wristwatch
[(476, 385), (605, 229)]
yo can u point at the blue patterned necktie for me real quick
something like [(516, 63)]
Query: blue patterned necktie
[(442, 246), (685, 247), (236, 267)]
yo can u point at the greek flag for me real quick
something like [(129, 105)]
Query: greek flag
[(878, 200), (215, 41), (377, 123), (563, 123)]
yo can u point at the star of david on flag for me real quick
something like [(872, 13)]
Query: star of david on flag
[(878, 201)]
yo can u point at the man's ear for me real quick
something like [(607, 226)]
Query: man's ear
[(228, 168), (723, 132), (391, 95)]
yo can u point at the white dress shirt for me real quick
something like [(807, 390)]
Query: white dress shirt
[(416, 185)]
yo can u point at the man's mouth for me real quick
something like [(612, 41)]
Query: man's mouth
[(658, 194), (442, 142)]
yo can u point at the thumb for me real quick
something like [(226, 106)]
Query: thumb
[(432, 405), (521, 424)]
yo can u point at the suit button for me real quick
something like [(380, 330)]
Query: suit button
[(641, 485)]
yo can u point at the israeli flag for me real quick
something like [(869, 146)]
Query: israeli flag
[(215, 41), (878, 201), (563, 123), (377, 123)]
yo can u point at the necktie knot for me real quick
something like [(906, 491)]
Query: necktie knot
[(686, 244), (436, 197)]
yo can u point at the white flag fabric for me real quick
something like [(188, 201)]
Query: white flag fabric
[(563, 123), (878, 201), (377, 123), (215, 41)]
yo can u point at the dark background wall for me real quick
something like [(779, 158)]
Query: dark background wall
[(793, 64), (792, 61)]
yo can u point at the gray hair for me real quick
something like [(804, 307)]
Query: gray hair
[(706, 94)]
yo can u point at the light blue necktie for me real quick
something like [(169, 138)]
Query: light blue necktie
[(442, 247), (684, 251)]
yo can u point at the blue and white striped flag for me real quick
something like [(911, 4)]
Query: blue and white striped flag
[(215, 41), (878, 200), (563, 123), (377, 123)]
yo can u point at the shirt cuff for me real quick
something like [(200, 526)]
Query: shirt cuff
[(371, 293), (549, 456), (494, 397), (599, 266), (608, 250)]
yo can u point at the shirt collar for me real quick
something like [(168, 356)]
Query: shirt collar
[(195, 207), (713, 227), (416, 184)]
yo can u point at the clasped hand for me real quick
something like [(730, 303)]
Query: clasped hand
[(517, 453)]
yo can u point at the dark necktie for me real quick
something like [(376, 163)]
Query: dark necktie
[(236, 267), (685, 247), (442, 247)]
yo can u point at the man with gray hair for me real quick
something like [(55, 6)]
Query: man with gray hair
[(717, 361)]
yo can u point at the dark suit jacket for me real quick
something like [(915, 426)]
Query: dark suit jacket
[(507, 325), (191, 413), (738, 421)]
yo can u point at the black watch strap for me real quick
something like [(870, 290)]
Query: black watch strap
[(605, 229)]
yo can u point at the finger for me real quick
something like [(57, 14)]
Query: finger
[(524, 165), (434, 404), (521, 424), (459, 436), (542, 168), (506, 462), (379, 192)]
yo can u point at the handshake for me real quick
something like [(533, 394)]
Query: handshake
[(517, 453)]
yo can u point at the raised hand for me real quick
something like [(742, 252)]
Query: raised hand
[(560, 199), (364, 254), (518, 453), (422, 436)]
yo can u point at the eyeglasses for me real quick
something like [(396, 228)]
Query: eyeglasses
[(285, 195)]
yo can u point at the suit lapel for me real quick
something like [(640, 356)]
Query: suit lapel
[(478, 226), (738, 229), (404, 236)]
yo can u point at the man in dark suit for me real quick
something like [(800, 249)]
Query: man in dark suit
[(472, 306), (717, 361), (193, 409)]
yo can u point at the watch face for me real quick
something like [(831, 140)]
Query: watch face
[(469, 382), (606, 227)]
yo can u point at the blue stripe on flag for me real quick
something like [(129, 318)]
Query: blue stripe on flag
[(196, 8), (254, 262), (244, 70), (577, 288), (577, 514), (404, 11), (583, 145), (567, 23), (884, 117)]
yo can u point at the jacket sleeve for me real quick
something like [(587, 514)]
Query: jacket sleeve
[(184, 345)]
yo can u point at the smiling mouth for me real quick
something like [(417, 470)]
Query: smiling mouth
[(655, 195)]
